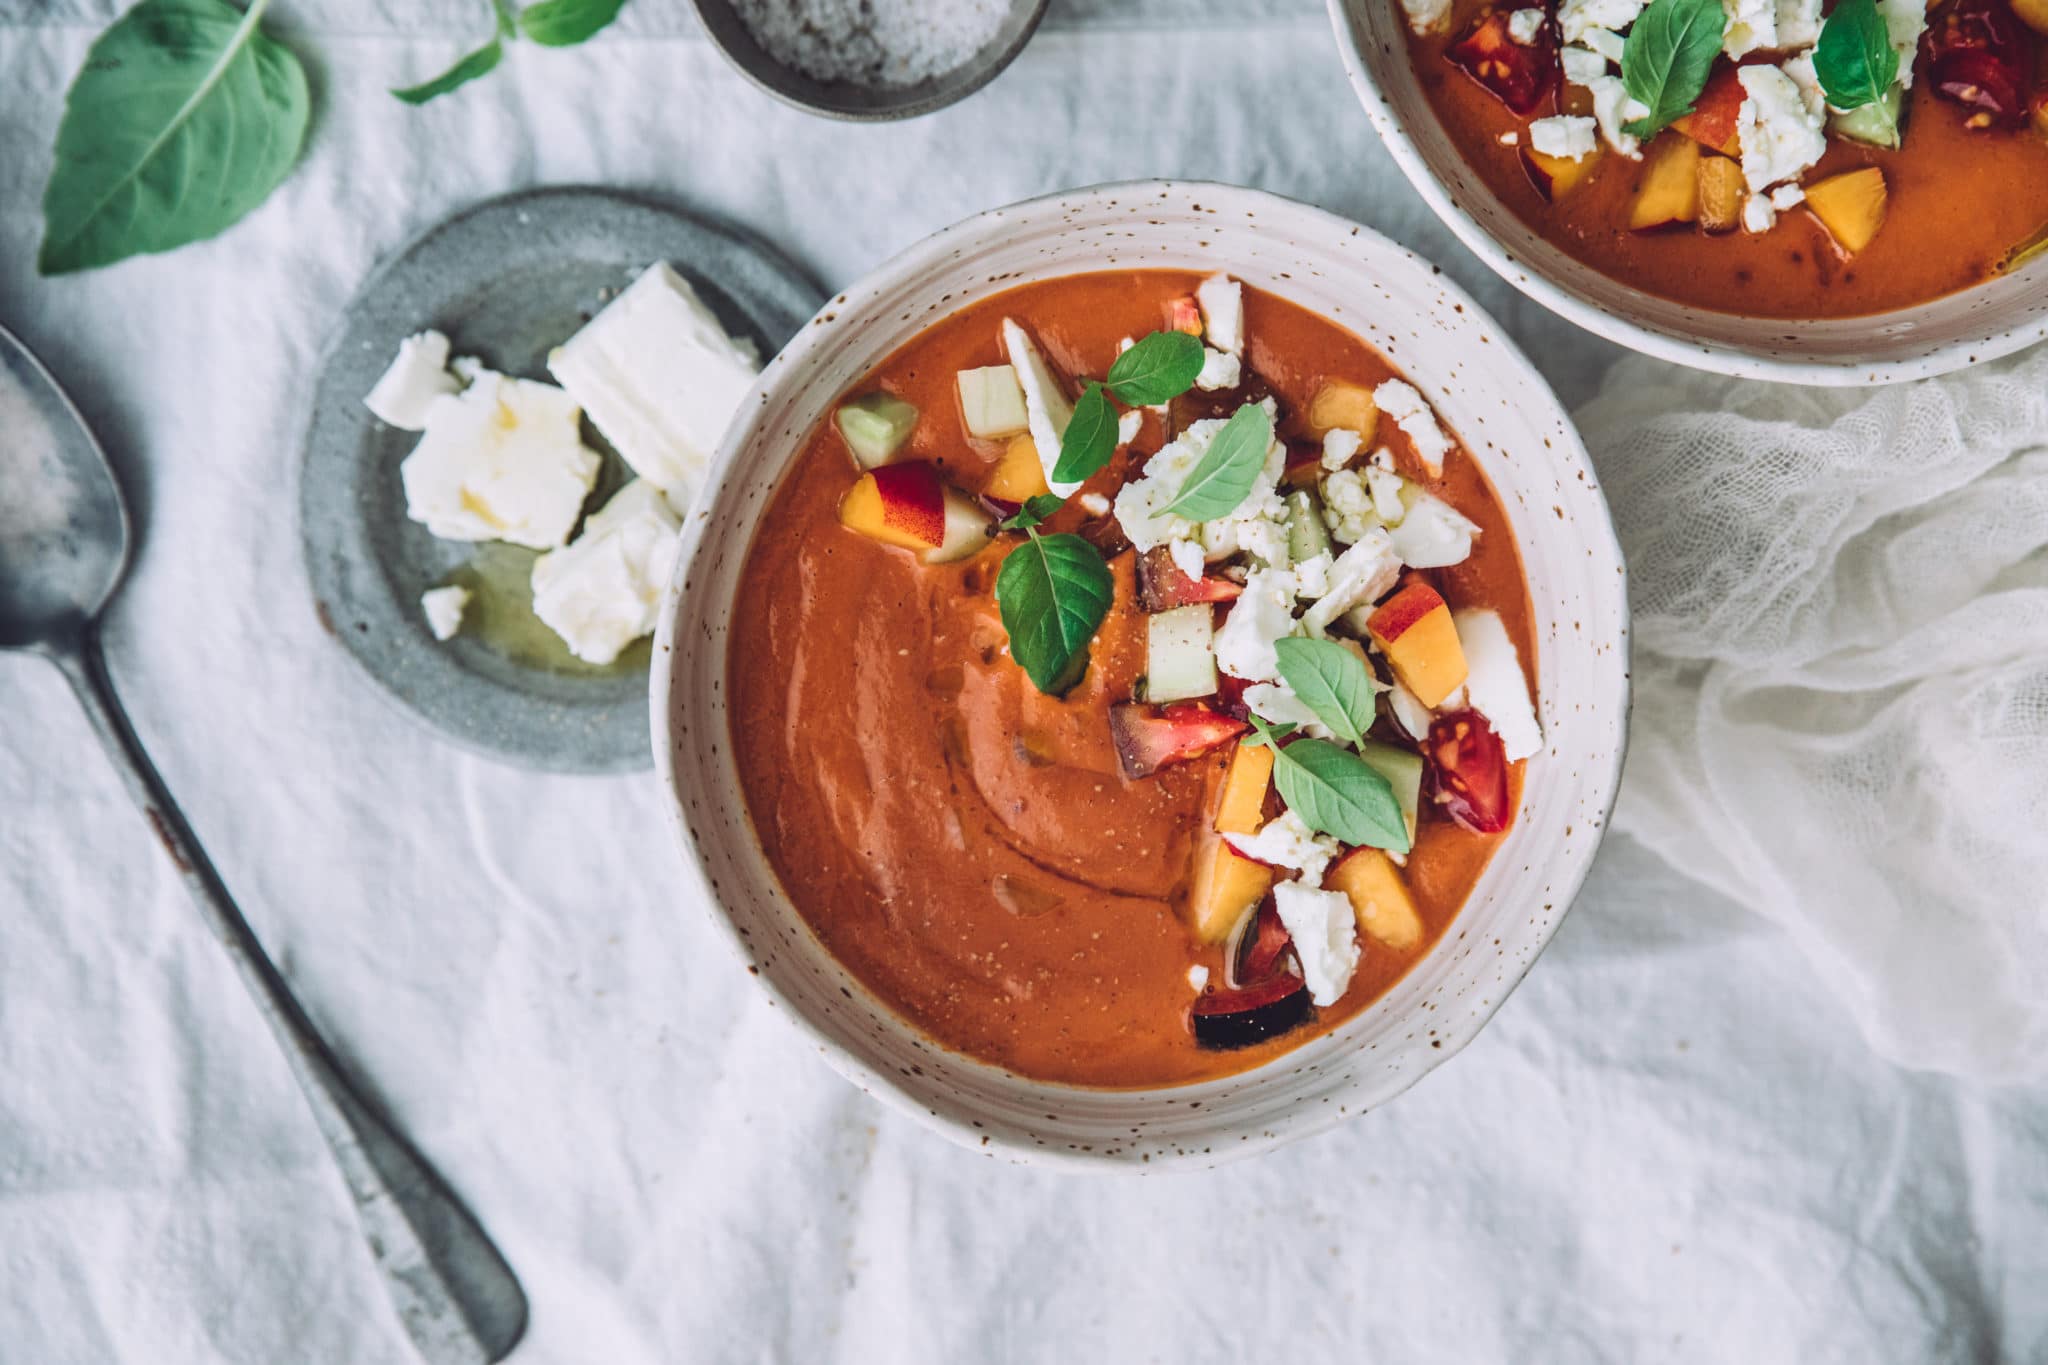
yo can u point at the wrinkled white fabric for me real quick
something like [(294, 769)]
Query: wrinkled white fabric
[(1841, 663)]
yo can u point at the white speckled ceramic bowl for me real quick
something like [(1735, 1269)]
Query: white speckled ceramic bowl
[(1993, 319), (1482, 387)]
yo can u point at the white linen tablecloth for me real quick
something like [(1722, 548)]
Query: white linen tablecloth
[(1668, 1146)]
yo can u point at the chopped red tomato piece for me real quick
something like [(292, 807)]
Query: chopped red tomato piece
[(1273, 989), (1148, 738), (1259, 956), (1978, 57), (1162, 586), (1519, 75), (1468, 771)]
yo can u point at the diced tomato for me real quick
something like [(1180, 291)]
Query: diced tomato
[(1978, 57), (1521, 76), (1468, 771), (1273, 989), (1259, 956), (1148, 738), (1162, 586)]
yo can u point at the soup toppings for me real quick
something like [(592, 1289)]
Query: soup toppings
[(1284, 581)]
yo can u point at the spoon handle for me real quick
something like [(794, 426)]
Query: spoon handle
[(456, 1297)]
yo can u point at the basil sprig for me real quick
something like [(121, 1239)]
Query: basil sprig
[(1665, 62), (565, 23), (1053, 591), (1855, 60), (1228, 469), (1037, 509), (1332, 682), (481, 62), (1090, 438), (1158, 369), (1335, 792)]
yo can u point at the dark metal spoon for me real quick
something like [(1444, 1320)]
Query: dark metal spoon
[(63, 549)]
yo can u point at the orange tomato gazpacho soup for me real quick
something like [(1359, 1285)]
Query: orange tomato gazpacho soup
[(1132, 678)]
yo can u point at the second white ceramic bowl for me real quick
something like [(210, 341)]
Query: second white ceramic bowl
[(1993, 319), (1507, 417)]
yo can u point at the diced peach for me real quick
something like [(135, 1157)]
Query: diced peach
[(1243, 807), (1851, 206), (1413, 628), (1338, 406), (898, 504), (1184, 314), (1557, 176), (1720, 194), (1226, 885), (1018, 475), (1671, 186), (1379, 897), (1712, 122)]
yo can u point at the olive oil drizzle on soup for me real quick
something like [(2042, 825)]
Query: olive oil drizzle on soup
[(973, 849)]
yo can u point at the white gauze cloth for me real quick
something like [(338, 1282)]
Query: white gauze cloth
[(1841, 664)]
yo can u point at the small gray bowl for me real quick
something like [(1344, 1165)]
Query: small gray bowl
[(866, 103)]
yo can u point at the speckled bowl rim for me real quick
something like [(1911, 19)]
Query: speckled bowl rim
[(987, 66), (700, 530), (1636, 336)]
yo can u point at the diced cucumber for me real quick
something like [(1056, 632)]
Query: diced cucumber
[(1180, 654), (1403, 771), (1876, 124), (875, 426), (992, 402), (1306, 535)]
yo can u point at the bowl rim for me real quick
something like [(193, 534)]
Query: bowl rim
[(1295, 1124), (1713, 357)]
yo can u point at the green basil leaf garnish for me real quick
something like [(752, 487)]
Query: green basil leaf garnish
[(1667, 58), (1090, 438), (1332, 682), (1855, 59), (1228, 469), (1037, 509), (478, 63), (1336, 793), (564, 23), (184, 118), (1053, 591), (1158, 369)]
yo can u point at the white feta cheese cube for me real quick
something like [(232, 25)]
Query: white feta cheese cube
[(1426, 16), (1128, 426), (1340, 447), (1220, 370), (1749, 26), (417, 375), (1524, 25), (1094, 504), (1365, 572), (1904, 20), (1757, 213), (443, 608), (1433, 534), (1494, 685), (1275, 703), (1613, 110), (1779, 134), (1606, 42), (1385, 487), (1325, 935), (1566, 135), (1187, 557), (1798, 23), (1312, 576), (1510, 138), (1582, 66), (1576, 17), (1046, 404), (659, 376), (1787, 196), (1287, 841), (602, 591), (502, 460), (1347, 507), (1412, 414), (1198, 978), (1222, 302), (1261, 616)]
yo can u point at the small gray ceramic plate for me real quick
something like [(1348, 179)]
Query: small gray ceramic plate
[(507, 280)]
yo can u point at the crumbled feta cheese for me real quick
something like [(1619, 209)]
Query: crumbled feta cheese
[(1798, 23), (1385, 487), (1287, 841), (1262, 614), (1433, 535), (1494, 686), (1275, 703), (1524, 25), (1787, 197), (1904, 20), (601, 592), (1266, 541), (1141, 503), (1187, 557), (1312, 576), (1582, 66), (1757, 214), (1347, 507), (1325, 935), (1565, 135), (417, 375), (1613, 110), (443, 608), (467, 368), (1750, 26), (1426, 16), (1220, 370), (1510, 138), (1045, 403), (1576, 17), (502, 460), (1364, 573), (1128, 426), (1606, 42), (1800, 68), (1401, 402), (1094, 504), (1198, 978), (1779, 134), (1222, 303), (1340, 447), (659, 376), (1409, 712)]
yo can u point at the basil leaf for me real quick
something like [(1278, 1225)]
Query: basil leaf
[(1665, 62), (1053, 591), (1161, 367), (1036, 509), (1269, 732), (564, 23), (1335, 792), (184, 118), (1332, 681), (1228, 469), (478, 63), (1090, 438), (1854, 58)]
